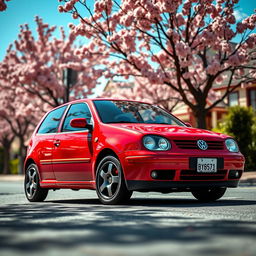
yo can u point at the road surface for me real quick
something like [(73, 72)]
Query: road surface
[(71, 223)]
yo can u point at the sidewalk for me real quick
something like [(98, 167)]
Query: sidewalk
[(248, 178)]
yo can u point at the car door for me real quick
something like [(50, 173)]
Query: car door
[(72, 151), (44, 142)]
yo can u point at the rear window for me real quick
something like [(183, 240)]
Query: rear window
[(52, 120)]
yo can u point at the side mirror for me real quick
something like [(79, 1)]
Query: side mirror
[(80, 123), (188, 124)]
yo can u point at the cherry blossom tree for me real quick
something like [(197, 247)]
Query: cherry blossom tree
[(35, 76), (185, 45), (142, 90), (19, 114), (3, 5), (6, 139), (38, 65)]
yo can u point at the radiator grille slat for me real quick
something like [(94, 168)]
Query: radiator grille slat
[(192, 144)]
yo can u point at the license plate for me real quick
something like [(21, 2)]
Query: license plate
[(207, 165)]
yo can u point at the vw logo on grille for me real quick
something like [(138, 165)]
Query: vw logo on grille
[(202, 144)]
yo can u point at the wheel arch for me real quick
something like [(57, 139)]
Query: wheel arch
[(28, 162), (104, 152)]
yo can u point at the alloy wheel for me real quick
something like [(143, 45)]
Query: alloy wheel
[(31, 182), (33, 191), (109, 179)]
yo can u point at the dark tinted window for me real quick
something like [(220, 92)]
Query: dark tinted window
[(133, 112), (80, 110), (252, 95), (51, 122)]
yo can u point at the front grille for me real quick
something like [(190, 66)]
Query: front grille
[(193, 175), (192, 144)]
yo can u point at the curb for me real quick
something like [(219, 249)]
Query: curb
[(11, 177)]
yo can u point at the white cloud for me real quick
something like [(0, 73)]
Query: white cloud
[(239, 14)]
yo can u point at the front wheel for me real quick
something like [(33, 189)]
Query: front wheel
[(209, 194), (110, 183), (33, 191)]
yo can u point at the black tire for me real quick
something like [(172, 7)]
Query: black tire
[(110, 183), (209, 194), (33, 191)]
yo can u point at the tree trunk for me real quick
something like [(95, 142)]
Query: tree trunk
[(6, 147), (200, 116), (22, 155)]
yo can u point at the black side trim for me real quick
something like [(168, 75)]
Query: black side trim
[(141, 185)]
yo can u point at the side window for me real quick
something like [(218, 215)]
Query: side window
[(52, 120), (79, 110)]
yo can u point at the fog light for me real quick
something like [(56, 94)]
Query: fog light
[(154, 174), (234, 174)]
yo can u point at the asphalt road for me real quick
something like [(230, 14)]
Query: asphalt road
[(75, 223)]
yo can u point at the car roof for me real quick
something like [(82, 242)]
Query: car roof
[(95, 99)]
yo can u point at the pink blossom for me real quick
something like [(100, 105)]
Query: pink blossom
[(75, 15), (231, 19), (213, 68), (234, 60), (240, 27), (219, 79), (3, 5), (187, 75), (182, 49), (60, 8), (180, 19)]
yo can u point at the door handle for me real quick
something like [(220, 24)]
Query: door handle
[(56, 143)]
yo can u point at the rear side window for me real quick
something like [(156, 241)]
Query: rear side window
[(51, 122), (80, 110)]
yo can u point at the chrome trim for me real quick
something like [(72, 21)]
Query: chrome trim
[(65, 161)]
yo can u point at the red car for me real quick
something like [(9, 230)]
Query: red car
[(120, 146)]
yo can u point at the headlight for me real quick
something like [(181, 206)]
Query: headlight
[(153, 142), (231, 145)]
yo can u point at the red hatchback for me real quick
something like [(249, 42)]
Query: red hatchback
[(118, 146)]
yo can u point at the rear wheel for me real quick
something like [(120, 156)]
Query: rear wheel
[(33, 191), (110, 183), (209, 194)]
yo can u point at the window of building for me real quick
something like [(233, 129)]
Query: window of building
[(80, 110), (52, 120), (252, 97), (233, 99)]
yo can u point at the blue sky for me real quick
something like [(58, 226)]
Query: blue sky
[(24, 11)]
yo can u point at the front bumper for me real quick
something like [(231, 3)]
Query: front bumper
[(181, 170)]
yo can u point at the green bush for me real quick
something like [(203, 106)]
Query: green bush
[(14, 165), (240, 123)]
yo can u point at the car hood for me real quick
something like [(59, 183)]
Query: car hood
[(171, 131)]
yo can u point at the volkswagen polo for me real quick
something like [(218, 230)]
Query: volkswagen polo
[(118, 146)]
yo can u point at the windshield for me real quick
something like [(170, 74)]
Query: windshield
[(133, 112)]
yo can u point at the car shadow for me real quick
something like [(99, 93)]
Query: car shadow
[(78, 223), (161, 202)]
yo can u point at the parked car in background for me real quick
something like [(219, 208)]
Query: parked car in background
[(120, 146)]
